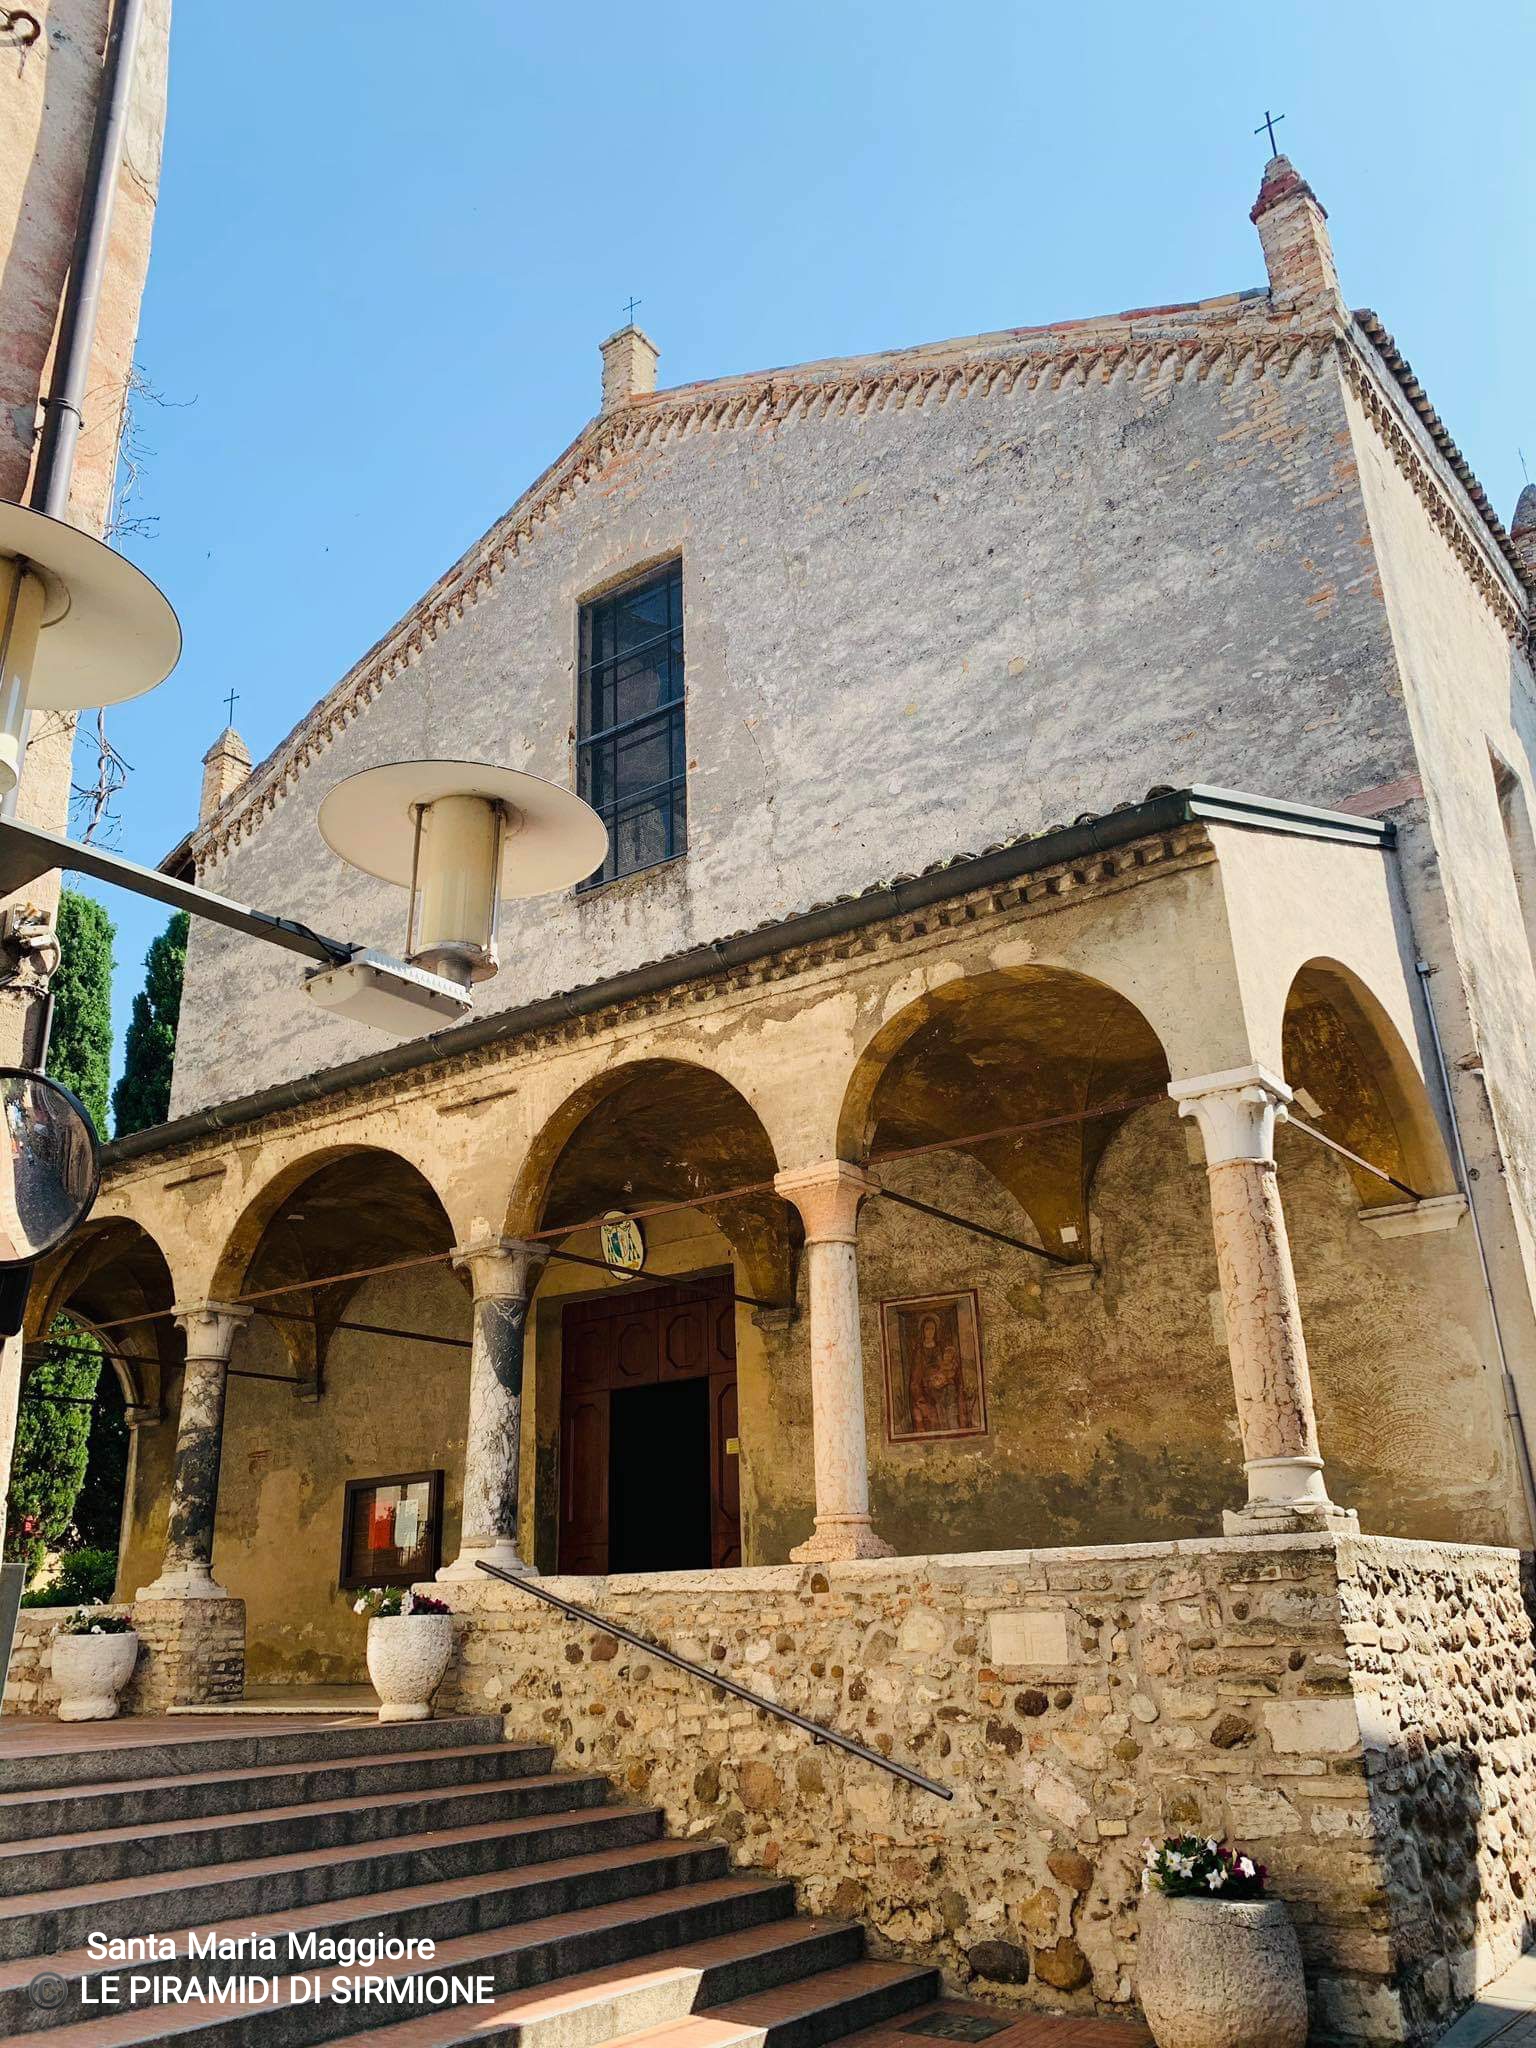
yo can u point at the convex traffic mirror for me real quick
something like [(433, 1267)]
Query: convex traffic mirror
[(50, 1165)]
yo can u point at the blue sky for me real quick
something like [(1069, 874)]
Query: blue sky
[(392, 236)]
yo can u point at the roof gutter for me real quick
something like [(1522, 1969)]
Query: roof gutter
[(1162, 812)]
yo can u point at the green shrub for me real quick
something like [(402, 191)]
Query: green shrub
[(83, 1578)]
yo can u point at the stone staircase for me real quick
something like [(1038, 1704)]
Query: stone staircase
[(593, 1925)]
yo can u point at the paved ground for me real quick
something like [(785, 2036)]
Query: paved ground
[(1506, 2012), (946, 2022)]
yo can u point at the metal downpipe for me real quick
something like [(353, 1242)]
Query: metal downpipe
[(62, 408)]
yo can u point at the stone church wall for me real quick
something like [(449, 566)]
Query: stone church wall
[(1075, 1702), (911, 630), (1469, 695)]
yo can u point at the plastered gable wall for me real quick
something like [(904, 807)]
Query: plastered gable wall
[(910, 631)]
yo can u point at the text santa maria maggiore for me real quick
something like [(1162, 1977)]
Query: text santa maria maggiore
[(345, 1966)]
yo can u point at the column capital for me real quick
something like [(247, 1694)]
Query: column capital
[(1236, 1110), (827, 1195), (501, 1268), (210, 1326)]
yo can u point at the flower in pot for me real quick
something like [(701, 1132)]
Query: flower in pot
[(410, 1639), (94, 1653), (1217, 1961)]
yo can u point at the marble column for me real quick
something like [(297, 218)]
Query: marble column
[(1236, 1112), (504, 1272), (187, 1573), (828, 1197)]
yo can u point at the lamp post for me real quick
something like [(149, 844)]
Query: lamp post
[(79, 625), (458, 836)]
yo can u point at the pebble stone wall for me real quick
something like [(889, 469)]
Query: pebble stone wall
[(1358, 1712)]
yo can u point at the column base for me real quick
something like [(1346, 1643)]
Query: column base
[(184, 1582), (1286, 1497), (1290, 1518), (464, 1568), (839, 1538)]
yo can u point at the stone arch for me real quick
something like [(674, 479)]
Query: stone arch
[(652, 1130), (339, 1210), (1342, 1048), (114, 1280), (1018, 1045)]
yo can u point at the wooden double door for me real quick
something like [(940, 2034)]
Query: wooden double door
[(649, 1468)]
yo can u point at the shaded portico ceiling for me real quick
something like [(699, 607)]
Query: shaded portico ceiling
[(1016, 1050), (363, 1209), (1368, 1096), (668, 1132)]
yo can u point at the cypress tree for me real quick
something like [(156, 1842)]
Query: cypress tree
[(80, 1050), (53, 1430), (143, 1095)]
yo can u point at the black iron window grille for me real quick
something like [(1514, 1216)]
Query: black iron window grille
[(631, 764)]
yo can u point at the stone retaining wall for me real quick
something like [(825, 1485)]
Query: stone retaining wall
[(1439, 1646), (191, 1652), (1077, 1701)]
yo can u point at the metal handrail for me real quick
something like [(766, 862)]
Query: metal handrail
[(716, 1678)]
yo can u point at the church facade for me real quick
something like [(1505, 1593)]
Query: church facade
[(1005, 1214)]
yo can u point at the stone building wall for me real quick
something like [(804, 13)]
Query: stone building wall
[(1075, 1702), (1439, 1651), (911, 629), (1470, 699)]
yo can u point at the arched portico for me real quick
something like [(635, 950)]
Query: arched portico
[(305, 1371), (114, 1282), (668, 1355), (1342, 1048)]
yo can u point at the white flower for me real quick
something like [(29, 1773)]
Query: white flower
[(1215, 1880), (1212, 1844), (1245, 1867), (359, 1605)]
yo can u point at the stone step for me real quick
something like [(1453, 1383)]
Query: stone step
[(47, 1923), (804, 2014), (116, 1753), (442, 1911), (151, 1802), (837, 2002), (722, 1940), (99, 1856), (630, 2002)]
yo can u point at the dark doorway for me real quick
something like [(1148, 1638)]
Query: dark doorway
[(648, 1450), (658, 1478)]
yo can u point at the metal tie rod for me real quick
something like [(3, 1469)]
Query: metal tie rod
[(716, 1678)]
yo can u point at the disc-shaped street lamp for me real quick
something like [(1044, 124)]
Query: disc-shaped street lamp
[(460, 835), (79, 625)]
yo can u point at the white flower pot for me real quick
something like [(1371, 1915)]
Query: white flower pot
[(407, 1656), (90, 1672), (1220, 1973)]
